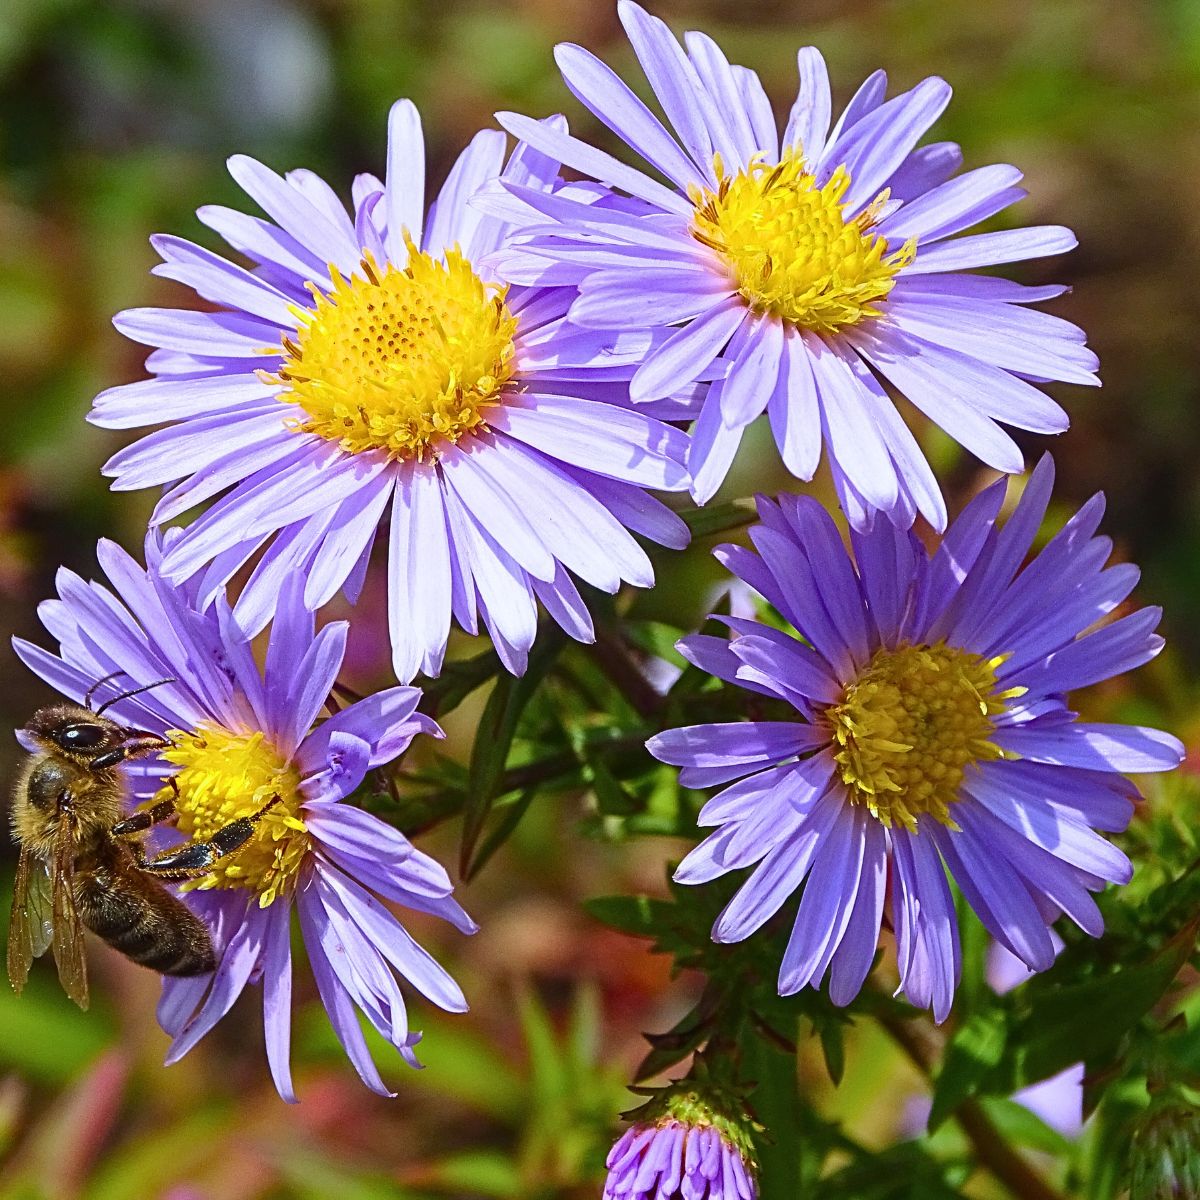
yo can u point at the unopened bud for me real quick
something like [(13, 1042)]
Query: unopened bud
[(690, 1152), (1164, 1161)]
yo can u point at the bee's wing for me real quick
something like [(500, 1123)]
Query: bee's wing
[(30, 928), (68, 929)]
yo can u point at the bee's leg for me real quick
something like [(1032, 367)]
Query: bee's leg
[(197, 858), (164, 810)]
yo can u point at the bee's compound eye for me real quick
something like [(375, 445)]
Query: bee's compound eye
[(82, 737)]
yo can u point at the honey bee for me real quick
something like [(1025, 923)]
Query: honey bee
[(82, 863)]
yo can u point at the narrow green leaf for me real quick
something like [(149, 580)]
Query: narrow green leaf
[(720, 518), (833, 1047), (1053, 1035), (639, 916), (1003, 1048), (971, 1058), (479, 1173), (502, 830), (585, 1031), (458, 679), (778, 1105), (493, 740), (550, 1082), (672, 1047), (1022, 1127), (611, 798)]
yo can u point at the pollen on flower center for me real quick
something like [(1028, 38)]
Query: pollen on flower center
[(399, 359), (789, 247), (223, 776), (910, 726)]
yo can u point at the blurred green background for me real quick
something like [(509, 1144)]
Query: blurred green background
[(115, 120)]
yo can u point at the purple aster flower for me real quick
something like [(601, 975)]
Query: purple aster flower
[(242, 737), (674, 1160), (932, 732), (819, 265), (364, 363)]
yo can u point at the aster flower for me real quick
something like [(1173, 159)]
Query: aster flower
[(931, 732), (816, 265), (242, 737), (689, 1157), (365, 362)]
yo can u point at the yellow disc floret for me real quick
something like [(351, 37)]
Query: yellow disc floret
[(789, 248), (910, 726), (399, 359), (223, 776)]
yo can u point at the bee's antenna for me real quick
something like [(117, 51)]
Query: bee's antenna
[(133, 692), (87, 700)]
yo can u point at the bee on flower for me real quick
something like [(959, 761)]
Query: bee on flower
[(240, 741)]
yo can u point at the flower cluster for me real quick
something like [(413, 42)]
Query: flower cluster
[(494, 386)]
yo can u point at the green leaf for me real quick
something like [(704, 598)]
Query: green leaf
[(503, 829), (459, 678), (972, 1057), (778, 1105), (479, 1173), (667, 1049), (639, 916), (720, 518), (1053, 1035), (1045, 1027), (611, 798), (1022, 1127), (903, 1172), (493, 740), (45, 1036), (833, 1047), (550, 1083)]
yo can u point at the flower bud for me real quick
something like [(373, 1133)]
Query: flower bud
[(691, 1152), (1164, 1160)]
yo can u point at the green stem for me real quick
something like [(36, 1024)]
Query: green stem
[(612, 655), (776, 1104)]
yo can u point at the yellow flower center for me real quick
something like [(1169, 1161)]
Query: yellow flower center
[(789, 248), (908, 728), (223, 776), (399, 359)]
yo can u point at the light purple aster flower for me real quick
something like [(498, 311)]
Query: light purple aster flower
[(818, 264), (364, 363), (673, 1160), (241, 738), (931, 732)]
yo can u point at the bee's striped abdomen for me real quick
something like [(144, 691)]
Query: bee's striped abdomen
[(138, 917)]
